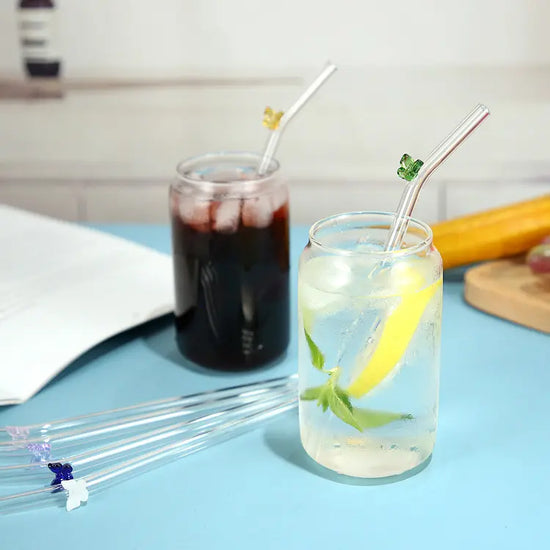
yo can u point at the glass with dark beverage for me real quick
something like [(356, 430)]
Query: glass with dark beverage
[(231, 261)]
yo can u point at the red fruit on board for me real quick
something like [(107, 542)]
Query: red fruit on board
[(538, 258)]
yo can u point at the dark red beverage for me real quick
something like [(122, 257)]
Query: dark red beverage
[(231, 266)]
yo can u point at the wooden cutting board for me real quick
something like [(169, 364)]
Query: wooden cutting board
[(508, 289)]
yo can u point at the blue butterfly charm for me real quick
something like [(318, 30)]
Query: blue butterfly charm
[(62, 472), (409, 167)]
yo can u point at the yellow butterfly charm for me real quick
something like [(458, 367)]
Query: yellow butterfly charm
[(272, 118)]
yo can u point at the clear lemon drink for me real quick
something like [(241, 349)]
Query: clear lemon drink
[(369, 324)]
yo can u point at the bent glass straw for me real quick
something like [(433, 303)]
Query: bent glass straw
[(399, 226), (146, 461), (409, 197), (126, 448), (275, 136), (115, 422)]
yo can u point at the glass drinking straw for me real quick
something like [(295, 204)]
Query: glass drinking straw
[(408, 200), (398, 229), (69, 444), (116, 423), (96, 458), (273, 141), (101, 479)]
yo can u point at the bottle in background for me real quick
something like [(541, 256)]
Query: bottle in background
[(37, 31)]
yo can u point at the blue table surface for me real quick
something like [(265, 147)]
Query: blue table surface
[(488, 485)]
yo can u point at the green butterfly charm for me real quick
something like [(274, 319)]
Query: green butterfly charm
[(409, 168)]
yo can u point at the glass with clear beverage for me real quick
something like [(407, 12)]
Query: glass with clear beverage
[(369, 342)]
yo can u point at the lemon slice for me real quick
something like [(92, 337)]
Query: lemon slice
[(398, 330)]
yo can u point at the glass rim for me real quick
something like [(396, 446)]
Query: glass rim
[(226, 186), (339, 219)]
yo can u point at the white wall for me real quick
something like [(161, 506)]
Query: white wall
[(408, 72), (168, 37), (109, 155)]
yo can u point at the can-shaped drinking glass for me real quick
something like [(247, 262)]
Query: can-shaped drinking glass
[(369, 345), (230, 243)]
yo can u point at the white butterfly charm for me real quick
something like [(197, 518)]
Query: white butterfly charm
[(76, 492)]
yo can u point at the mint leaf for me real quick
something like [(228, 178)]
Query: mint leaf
[(317, 358), (318, 393), (343, 395), (340, 405), (312, 394), (369, 418), (332, 396), (326, 390)]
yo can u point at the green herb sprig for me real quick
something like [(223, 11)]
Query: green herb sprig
[(332, 396)]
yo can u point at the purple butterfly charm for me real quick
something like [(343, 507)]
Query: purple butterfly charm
[(41, 452)]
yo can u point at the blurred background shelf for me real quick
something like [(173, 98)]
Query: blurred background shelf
[(56, 88)]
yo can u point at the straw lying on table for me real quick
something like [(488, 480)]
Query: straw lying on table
[(70, 434), (219, 416)]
